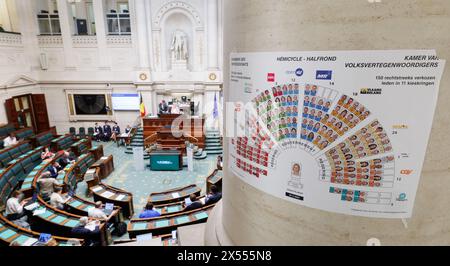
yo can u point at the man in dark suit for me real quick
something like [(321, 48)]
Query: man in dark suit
[(54, 169), (98, 132), (214, 197), (163, 108), (90, 237), (65, 160), (107, 132), (196, 204)]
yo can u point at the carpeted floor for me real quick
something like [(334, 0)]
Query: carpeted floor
[(142, 183)]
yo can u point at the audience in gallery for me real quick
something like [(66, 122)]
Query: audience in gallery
[(10, 140), (149, 212)]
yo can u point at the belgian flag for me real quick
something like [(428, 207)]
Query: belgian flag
[(142, 108)]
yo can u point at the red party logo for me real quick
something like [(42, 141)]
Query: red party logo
[(271, 77)]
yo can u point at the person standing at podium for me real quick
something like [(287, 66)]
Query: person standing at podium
[(163, 107)]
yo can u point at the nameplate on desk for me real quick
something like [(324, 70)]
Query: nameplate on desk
[(104, 158), (176, 195)]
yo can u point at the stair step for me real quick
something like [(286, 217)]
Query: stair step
[(215, 152)]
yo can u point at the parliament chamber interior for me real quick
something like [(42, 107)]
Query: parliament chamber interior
[(122, 120)]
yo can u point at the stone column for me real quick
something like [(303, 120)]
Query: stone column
[(248, 216), (212, 32), (66, 24), (100, 28)]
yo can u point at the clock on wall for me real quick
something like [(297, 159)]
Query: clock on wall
[(143, 76), (212, 76)]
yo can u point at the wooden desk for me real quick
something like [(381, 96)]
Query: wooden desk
[(13, 233), (92, 179), (57, 222), (105, 166), (118, 197), (214, 179), (79, 206), (97, 152), (165, 225), (81, 146), (174, 195)]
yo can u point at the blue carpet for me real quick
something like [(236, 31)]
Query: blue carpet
[(142, 183)]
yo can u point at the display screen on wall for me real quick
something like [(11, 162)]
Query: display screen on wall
[(90, 104), (126, 102), (344, 132)]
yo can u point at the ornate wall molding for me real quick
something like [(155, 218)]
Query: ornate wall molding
[(84, 41), (10, 39), (119, 40), (50, 41), (177, 5)]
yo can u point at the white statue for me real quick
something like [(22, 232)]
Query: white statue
[(179, 46)]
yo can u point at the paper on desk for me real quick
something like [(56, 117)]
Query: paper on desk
[(107, 194), (202, 201), (176, 195), (120, 197), (90, 171), (29, 242), (104, 158), (39, 211), (31, 206), (97, 189), (91, 226)]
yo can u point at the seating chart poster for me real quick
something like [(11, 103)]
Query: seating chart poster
[(343, 132)]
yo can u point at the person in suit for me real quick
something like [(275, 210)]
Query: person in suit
[(196, 204), (163, 108), (107, 132), (10, 140), (54, 169), (98, 132), (213, 197), (90, 237), (65, 160), (115, 132)]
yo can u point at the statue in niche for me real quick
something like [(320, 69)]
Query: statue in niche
[(179, 46)]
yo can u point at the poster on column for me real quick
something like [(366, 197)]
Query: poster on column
[(340, 131)]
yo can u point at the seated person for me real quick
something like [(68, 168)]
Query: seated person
[(10, 140), (90, 237), (54, 169), (14, 207), (149, 212), (65, 160), (47, 154), (163, 108), (115, 132), (107, 132), (97, 212), (213, 197), (57, 199), (98, 132), (47, 185), (196, 204)]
